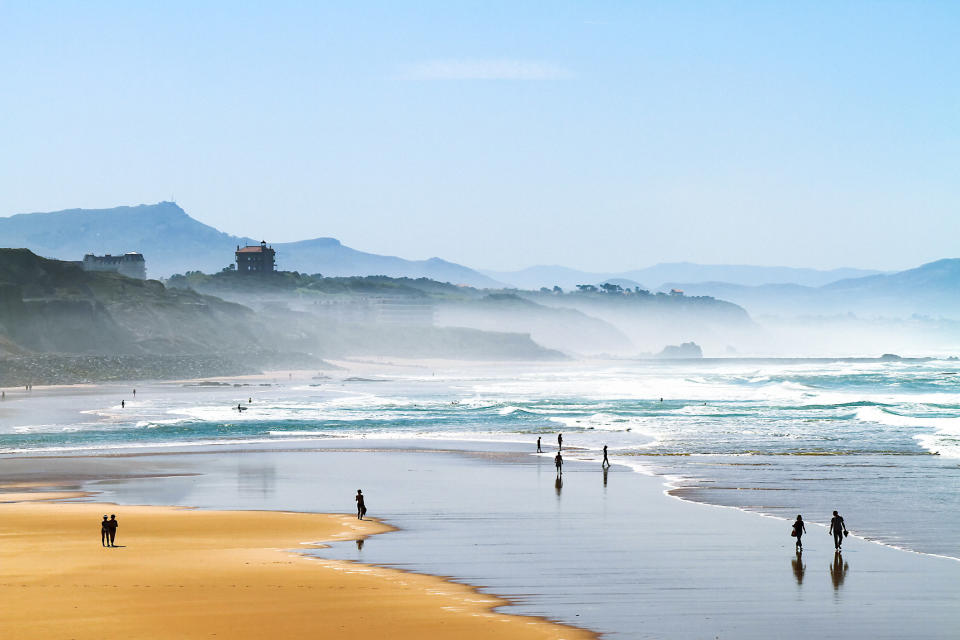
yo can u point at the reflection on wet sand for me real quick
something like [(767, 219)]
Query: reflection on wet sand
[(799, 568), (838, 570), (558, 485), (605, 471)]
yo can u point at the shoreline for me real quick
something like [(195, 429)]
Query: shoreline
[(175, 449), (416, 602), (667, 565)]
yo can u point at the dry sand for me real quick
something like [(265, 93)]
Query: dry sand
[(180, 573)]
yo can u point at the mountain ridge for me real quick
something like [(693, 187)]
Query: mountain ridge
[(174, 242)]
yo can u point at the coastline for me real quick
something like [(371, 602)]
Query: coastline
[(619, 558), (195, 573)]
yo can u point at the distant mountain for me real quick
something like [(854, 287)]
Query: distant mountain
[(173, 242), (658, 275), (930, 289)]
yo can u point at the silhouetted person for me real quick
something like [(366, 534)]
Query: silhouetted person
[(361, 507), (838, 570), (123, 404), (838, 528), (559, 442), (113, 524), (559, 462), (105, 532), (798, 567), (798, 530), (134, 393), (539, 450), (606, 461)]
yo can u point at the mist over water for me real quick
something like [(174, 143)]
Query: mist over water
[(878, 441)]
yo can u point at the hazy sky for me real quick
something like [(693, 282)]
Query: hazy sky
[(598, 135)]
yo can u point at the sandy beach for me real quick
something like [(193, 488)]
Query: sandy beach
[(179, 573)]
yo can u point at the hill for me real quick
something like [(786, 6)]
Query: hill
[(930, 289), (657, 275), (173, 242)]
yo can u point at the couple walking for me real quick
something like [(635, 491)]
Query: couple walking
[(837, 527), (108, 531)]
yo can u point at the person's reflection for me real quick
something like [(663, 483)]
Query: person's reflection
[(558, 485), (838, 571), (359, 544), (605, 471), (798, 567)]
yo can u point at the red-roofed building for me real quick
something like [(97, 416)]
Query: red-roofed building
[(258, 258)]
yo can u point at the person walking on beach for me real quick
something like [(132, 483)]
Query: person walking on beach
[(112, 529), (838, 528), (123, 404), (539, 450), (559, 462), (559, 442), (606, 461), (105, 532), (361, 507), (798, 530)]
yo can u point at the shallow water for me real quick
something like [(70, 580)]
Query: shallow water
[(605, 551), (878, 441)]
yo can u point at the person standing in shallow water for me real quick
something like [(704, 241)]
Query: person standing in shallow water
[(559, 462), (361, 507), (798, 530), (105, 532), (838, 528), (559, 442), (539, 450)]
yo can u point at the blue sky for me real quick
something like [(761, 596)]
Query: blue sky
[(598, 135)]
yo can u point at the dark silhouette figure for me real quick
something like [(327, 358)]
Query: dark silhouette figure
[(559, 442), (105, 532), (123, 404), (559, 462), (113, 525), (798, 567), (839, 529), (134, 393), (361, 507), (359, 544), (838, 571), (539, 450), (798, 530), (606, 461)]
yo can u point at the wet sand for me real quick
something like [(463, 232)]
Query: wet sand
[(180, 573), (610, 553)]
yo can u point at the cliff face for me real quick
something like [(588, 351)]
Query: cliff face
[(53, 306)]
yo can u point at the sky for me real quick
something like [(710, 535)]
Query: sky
[(603, 136)]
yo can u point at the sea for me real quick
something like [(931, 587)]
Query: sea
[(878, 441)]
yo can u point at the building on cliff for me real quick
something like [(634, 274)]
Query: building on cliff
[(258, 258), (129, 264)]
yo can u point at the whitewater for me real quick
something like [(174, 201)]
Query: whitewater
[(879, 441)]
